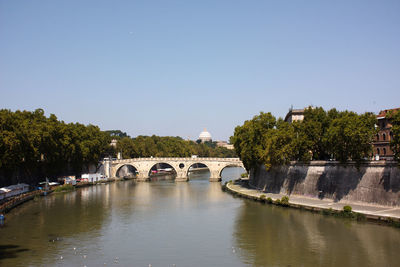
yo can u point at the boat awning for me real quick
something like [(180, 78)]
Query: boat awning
[(4, 190)]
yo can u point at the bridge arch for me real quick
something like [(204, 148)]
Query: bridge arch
[(198, 162), (203, 165), (163, 168), (125, 170), (231, 165)]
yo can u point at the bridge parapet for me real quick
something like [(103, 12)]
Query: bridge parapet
[(176, 159)]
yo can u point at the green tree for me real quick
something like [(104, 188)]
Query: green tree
[(168, 146), (395, 140), (342, 135), (350, 136), (313, 129), (126, 147), (34, 146), (278, 145), (249, 139)]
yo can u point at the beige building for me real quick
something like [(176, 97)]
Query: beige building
[(114, 142), (224, 144), (294, 115)]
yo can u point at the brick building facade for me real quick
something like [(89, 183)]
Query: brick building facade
[(384, 136)]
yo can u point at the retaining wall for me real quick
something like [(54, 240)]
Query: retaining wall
[(375, 182)]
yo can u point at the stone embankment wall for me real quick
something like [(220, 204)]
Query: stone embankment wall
[(376, 182)]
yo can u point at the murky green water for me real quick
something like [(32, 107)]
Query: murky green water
[(163, 223)]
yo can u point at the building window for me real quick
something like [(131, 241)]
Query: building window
[(378, 151), (384, 151), (384, 137), (377, 137), (391, 135)]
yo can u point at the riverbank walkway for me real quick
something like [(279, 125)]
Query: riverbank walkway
[(369, 210)]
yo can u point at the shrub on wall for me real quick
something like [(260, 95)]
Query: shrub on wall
[(347, 209), (285, 201)]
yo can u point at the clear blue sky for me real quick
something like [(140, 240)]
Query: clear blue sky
[(175, 67)]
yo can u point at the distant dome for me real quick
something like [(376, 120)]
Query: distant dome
[(205, 136)]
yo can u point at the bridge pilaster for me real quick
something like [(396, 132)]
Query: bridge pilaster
[(181, 176), (215, 176), (142, 177), (107, 168)]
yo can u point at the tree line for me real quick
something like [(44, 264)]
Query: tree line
[(394, 118), (33, 147), (322, 135), (168, 146)]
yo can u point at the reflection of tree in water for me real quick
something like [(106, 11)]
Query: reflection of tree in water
[(36, 225), (10, 251), (274, 236)]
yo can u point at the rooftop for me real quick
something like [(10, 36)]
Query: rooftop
[(382, 114), (293, 111)]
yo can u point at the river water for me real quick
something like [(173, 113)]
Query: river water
[(193, 223)]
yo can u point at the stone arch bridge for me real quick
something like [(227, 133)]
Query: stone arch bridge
[(180, 165)]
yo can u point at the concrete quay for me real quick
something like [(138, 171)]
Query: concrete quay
[(371, 212)]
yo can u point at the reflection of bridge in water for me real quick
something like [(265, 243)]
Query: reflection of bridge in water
[(181, 166)]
